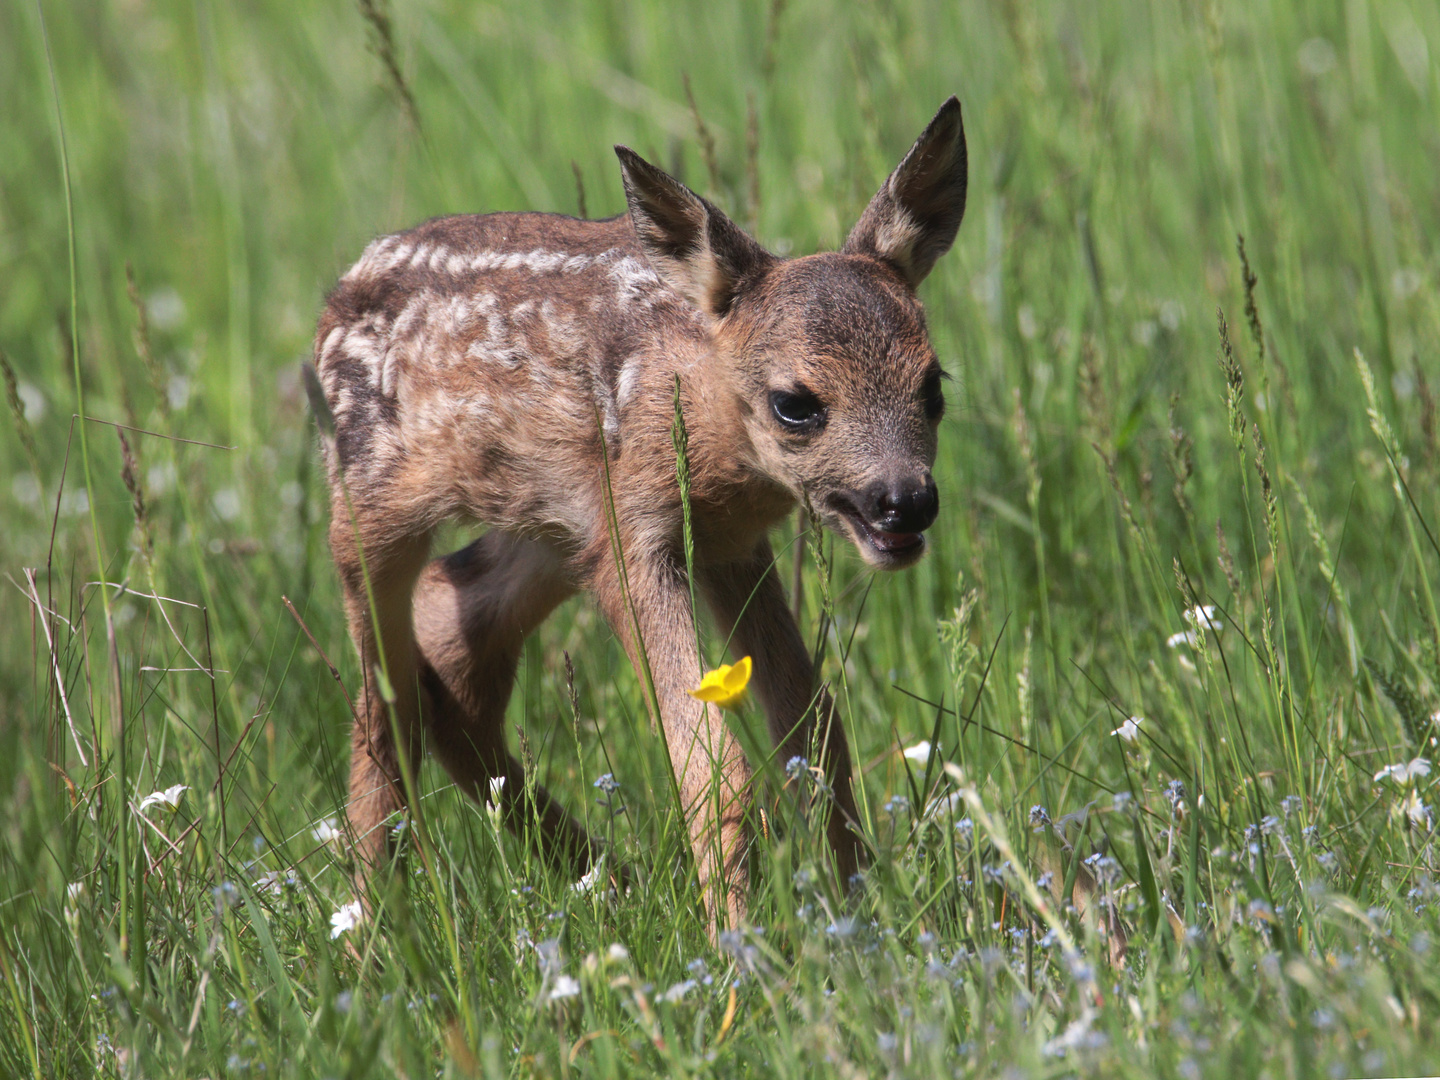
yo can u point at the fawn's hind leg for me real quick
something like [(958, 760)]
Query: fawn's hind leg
[(473, 610), (386, 576)]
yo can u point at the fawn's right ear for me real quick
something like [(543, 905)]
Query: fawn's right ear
[(913, 218), (692, 245)]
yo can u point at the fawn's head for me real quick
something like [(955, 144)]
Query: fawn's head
[(827, 354)]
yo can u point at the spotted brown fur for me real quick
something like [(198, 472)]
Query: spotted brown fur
[(518, 371)]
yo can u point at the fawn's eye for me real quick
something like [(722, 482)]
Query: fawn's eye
[(798, 411), (932, 396)]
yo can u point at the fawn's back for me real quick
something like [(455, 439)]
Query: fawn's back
[(475, 362)]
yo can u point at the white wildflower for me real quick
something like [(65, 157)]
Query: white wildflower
[(1200, 617), (944, 807), (1077, 1036), (177, 392), (227, 504), (165, 307), (1403, 772), (269, 882), (920, 752), (1203, 616), (328, 832), (593, 877), (26, 489), (1130, 729), (160, 478), (678, 991), (617, 953), (32, 401), (74, 893), (1316, 57), (169, 798), (497, 788), (1416, 811), (565, 987), (347, 918)]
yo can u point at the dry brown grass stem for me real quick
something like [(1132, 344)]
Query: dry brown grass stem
[(707, 140)]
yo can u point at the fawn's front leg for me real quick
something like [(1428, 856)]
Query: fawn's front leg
[(749, 604), (650, 610)]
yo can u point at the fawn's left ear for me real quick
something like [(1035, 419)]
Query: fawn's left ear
[(913, 218), (693, 246)]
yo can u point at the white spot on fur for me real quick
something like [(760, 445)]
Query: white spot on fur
[(363, 345), (498, 345), (391, 252), (412, 317), (604, 399), (377, 257), (536, 262), (625, 384), (396, 257), (437, 413), (406, 339), (454, 316), (482, 262), (440, 259), (328, 346), (634, 280)]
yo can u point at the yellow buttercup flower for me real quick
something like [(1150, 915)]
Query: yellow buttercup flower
[(725, 686)]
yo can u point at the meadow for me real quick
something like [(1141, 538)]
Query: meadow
[(1176, 640)]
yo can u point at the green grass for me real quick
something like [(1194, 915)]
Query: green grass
[(1102, 472)]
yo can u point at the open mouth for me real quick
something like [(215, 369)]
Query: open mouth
[(891, 543), (881, 546)]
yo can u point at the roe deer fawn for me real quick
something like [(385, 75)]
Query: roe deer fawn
[(520, 369)]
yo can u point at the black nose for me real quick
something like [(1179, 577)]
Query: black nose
[(902, 506)]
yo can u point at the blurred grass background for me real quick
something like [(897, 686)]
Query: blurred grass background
[(237, 158)]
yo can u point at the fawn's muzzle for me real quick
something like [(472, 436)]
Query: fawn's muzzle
[(889, 518), (901, 506)]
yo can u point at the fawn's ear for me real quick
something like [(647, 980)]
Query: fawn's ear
[(696, 249), (913, 218)]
